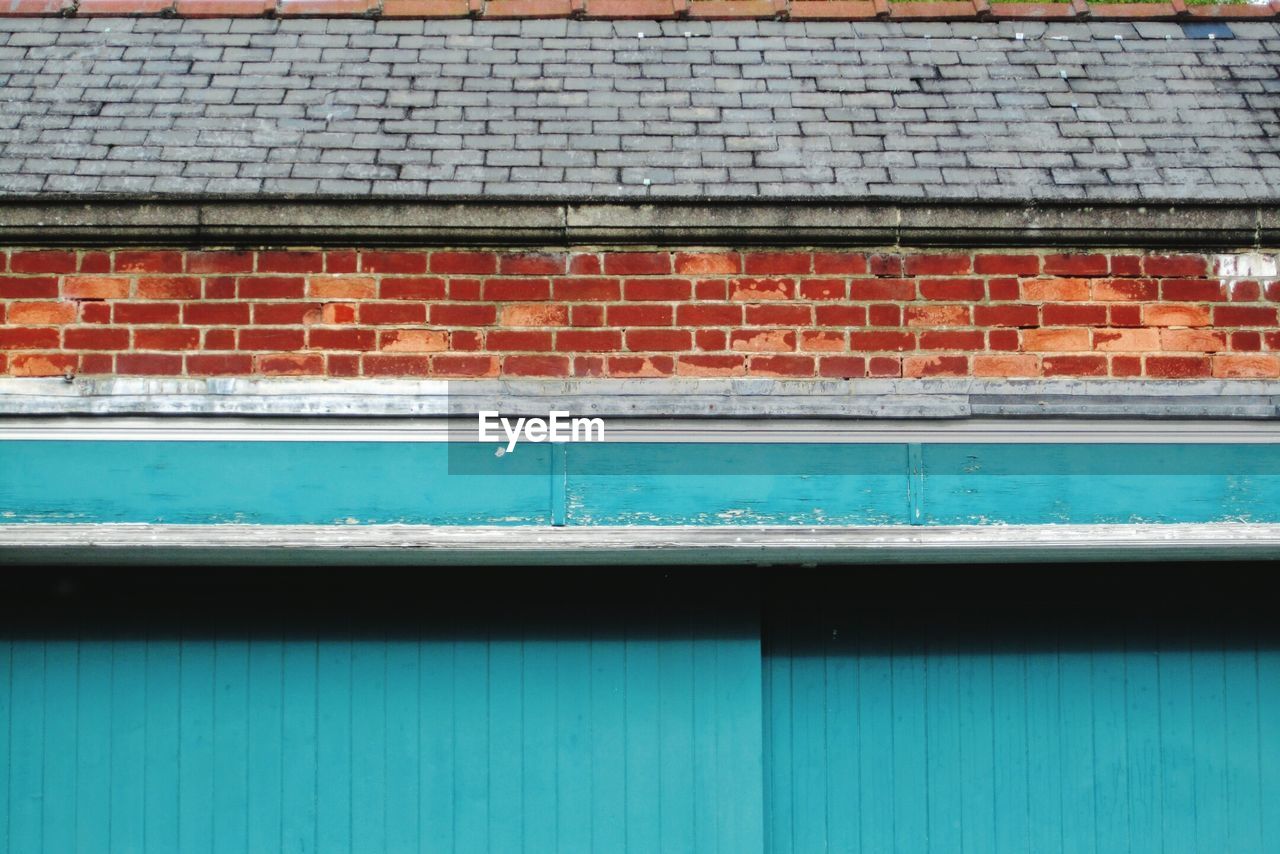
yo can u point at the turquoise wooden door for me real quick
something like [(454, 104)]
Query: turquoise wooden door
[(460, 739), (893, 727)]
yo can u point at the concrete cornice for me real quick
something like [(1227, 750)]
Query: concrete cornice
[(318, 221)]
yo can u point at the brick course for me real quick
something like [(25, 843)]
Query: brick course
[(645, 313)]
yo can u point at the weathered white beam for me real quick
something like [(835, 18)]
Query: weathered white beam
[(426, 545)]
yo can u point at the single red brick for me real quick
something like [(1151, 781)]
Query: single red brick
[(697, 365), (588, 366), (641, 366), (1120, 290), (286, 313), (42, 261), (841, 315), (397, 262), (713, 290), (762, 340), (709, 314), (823, 341), (95, 262), (953, 339), (341, 261), (1056, 290), (220, 261), (466, 339), (95, 338), (453, 314), (1126, 340), (884, 366), (12, 287), (535, 366), (42, 364), (534, 314), (872, 342), (40, 313), (265, 338), (1006, 366), (1015, 265), (882, 289), (1126, 366), (1273, 291), (938, 265), (781, 366), (171, 287), (524, 339), (581, 288), (1076, 265), (639, 315), (851, 263), (464, 290), (884, 314), (1240, 315), (1004, 289), (586, 315), (1178, 367), (1010, 314), (1244, 291), (1126, 265), (1073, 314), (533, 264), (341, 339), (215, 313), (588, 340), (709, 263), (411, 287), (174, 338), (759, 290), (95, 287), (1125, 315), (637, 263), (823, 289), (342, 365), (149, 364), (390, 313), (451, 365), (271, 287), (1175, 315), (1075, 366), (842, 367), (384, 365), (952, 289), (342, 287), (219, 339), (885, 265), (1055, 340), (517, 289), (710, 340), (335, 313), (775, 263), (290, 261), (935, 366), (464, 262), (1003, 340), (659, 339), (218, 287), (1192, 290), (148, 261), (1192, 340), (28, 338), (146, 312), (1175, 265), (657, 289), (584, 264), (773, 314), (1253, 365), (289, 364), (208, 365), (1246, 340), (936, 315)]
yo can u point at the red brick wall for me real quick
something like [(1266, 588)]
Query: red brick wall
[(788, 313)]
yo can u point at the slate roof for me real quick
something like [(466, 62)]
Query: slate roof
[(590, 109)]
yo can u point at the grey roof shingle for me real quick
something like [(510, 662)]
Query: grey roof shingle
[(567, 109)]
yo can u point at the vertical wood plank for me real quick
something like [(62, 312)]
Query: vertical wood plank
[(164, 740), (1243, 755), (231, 744), (506, 767), (1010, 754), (299, 745), (677, 803), (609, 739), (61, 705), (1178, 769), (910, 802), (195, 729), (471, 743), (404, 749), (573, 740), (1111, 767), (1079, 807), (266, 727), (1142, 727), (436, 777), (26, 733), (942, 674), (539, 742), (333, 745), (368, 742), (1208, 679)]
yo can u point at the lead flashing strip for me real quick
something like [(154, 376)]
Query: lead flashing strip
[(318, 221), (646, 398), (311, 545)]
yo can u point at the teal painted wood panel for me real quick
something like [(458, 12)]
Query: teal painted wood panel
[(892, 731), (373, 741), (635, 483)]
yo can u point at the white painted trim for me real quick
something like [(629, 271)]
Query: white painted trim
[(423, 545), (674, 430)]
